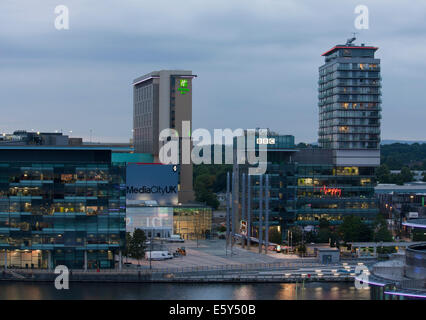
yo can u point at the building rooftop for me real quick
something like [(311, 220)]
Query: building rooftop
[(156, 75), (65, 147), (417, 187), (341, 46), (415, 223)]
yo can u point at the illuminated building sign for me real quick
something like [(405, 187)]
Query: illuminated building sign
[(151, 184), (183, 86), (265, 140), (331, 191)]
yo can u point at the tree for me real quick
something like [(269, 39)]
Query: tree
[(137, 245), (365, 233), (221, 228), (397, 155), (302, 145), (296, 235), (353, 229), (311, 237), (324, 224), (275, 236), (397, 179), (381, 232), (126, 251), (406, 174), (383, 174), (206, 184), (208, 197), (324, 235), (301, 249)]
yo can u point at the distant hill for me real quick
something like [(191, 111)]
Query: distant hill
[(389, 141), (402, 141), (397, 155)]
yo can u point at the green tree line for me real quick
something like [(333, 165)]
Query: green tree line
[(398, 155), (352, 229), (210, 179)]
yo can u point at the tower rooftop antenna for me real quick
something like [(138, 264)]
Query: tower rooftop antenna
[(351, 40)]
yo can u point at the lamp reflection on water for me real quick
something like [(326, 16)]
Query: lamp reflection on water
[(245, 292)]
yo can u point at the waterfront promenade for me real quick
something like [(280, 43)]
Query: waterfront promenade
[(206, 261)]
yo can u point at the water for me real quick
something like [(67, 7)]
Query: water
[(173, 291)]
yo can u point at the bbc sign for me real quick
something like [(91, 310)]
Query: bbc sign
[(152, 184)]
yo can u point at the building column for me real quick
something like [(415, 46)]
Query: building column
[(119, 259), (260, 224), (228, 205), (243, 208), (49, 260), (375, 250), (5, 259), (85, 260), (234, 209), (266, 213), (248, 211)]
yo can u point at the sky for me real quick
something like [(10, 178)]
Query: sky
[(256, 60)]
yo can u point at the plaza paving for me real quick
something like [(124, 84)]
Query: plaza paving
[(213, 253)]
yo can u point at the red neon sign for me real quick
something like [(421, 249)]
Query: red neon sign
[(331, 191)]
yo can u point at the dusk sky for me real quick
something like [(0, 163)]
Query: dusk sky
[(256, 60)]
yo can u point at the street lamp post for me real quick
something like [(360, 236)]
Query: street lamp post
[(227, 212), (260, 224), (150, 253)]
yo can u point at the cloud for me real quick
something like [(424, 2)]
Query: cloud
[(256, 60)]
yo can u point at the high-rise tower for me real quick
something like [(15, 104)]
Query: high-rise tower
[(349, 102), (162, 100)]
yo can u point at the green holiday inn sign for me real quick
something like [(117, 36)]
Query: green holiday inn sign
[(183, 86)]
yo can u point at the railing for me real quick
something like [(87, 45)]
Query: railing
[(228, 267), (413, 284), (262, 278)]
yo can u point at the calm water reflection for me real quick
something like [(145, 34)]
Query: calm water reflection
[(268, 291)]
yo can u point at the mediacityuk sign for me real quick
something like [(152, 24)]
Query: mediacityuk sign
[(152, 182)]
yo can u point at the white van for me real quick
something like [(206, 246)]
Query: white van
[(158, 255), (175, 238)]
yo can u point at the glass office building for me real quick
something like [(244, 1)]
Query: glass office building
[(336, 179), (60, 206), (325, 191), (191, 222), (305, 185)]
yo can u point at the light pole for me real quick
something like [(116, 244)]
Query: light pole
[(197, 232), (260, 224), (243, 207), (248, 211), (227, 212), (150, 253), (233, 210), (266, 213)]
